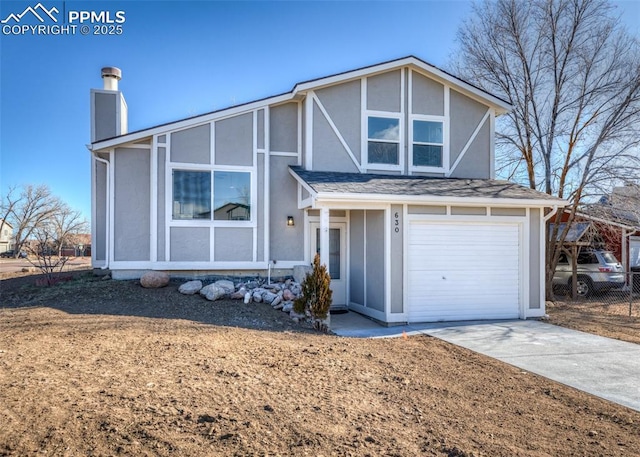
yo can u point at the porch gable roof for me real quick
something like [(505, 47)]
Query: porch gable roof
[(365, 186)]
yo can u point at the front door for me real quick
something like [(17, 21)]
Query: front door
[(337, 259)]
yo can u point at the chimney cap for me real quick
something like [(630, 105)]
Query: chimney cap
[(112, 72)]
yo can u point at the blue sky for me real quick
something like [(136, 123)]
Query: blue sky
[(181, 58)]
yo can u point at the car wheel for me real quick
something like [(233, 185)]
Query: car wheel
[(584, 286)]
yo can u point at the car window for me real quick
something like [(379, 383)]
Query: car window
[(609, 257), (585, 258), (563, 259)]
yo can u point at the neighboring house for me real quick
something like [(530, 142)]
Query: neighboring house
[(6, 236), (387, 171), (617, 220)]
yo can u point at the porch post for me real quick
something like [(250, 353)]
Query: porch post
[(324, 236)]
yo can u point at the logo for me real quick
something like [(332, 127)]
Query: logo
[(34, 11), (40, 20)]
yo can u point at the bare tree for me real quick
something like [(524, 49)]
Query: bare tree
[(572, 74), (66, 223), (35, 206), (7, 205), (43, 255)]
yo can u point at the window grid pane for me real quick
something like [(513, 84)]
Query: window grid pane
[(383, 153), (191, 194), (232, 196), (427, 155), (385, 129), (427, 132)]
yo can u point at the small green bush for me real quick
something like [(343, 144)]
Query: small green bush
[(316, 292)]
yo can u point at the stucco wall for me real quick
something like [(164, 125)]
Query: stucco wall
[(132, 203), (233, 244), (192, 145), (427, 96), (375, 259), (161, 237), (191, 244), (465, 115), (383, 92), (342, 103), (534, 260), (397, 224), (105, 120), (356, 257), (328, 152), (100, 204), (287, 243), (283, 127), (476, 162), (234, 140)]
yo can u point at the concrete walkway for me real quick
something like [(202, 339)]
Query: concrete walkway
[(604, 367)]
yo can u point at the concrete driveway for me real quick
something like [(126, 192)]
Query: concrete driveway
[(604, 367)]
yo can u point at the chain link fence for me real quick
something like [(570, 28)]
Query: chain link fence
[(609, 292)]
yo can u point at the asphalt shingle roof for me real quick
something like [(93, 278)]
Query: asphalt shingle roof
[(396, 185)]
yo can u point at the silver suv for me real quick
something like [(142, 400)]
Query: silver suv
[(597, 271)]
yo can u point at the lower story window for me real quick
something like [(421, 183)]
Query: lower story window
[(193, 198), (191, 194)]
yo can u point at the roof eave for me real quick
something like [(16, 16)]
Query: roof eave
[(327, 197)]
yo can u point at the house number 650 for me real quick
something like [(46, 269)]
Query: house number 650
[(396, 222)]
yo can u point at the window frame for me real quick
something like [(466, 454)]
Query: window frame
[(212, 169), (400, 142), (445, 143)]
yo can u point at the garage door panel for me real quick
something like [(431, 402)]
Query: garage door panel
[(463, 271)]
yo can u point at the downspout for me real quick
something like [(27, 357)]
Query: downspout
[(108, 192)]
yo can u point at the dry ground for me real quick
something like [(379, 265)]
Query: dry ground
[(94, 367)]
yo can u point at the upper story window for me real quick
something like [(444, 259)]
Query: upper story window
[(428, 143), (193, 198), (383, 140)]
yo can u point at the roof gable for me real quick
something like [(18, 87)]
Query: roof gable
[(300, 89)]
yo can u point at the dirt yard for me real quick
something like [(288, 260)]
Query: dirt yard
[(99, 367)]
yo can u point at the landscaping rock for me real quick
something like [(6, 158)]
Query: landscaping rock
[(229, 286), (190, 287), (247, 298), (288, 295), (154, 279), (239, 295), (276, 301), (257, 296), (213, 292), (287, 307), (268, 297)]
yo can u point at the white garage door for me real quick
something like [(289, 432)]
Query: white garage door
[(463, 271)]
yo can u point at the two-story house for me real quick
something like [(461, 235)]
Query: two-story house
[(6, 236), (387, 171)]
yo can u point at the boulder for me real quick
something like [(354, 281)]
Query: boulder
[(229, 286), (239, 295), (257, 296), (268, 297), (190, 287), (213, 292), (154, 279), (247, 298), (287, 295), (300, 272), (276, 300), (287, 307)]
